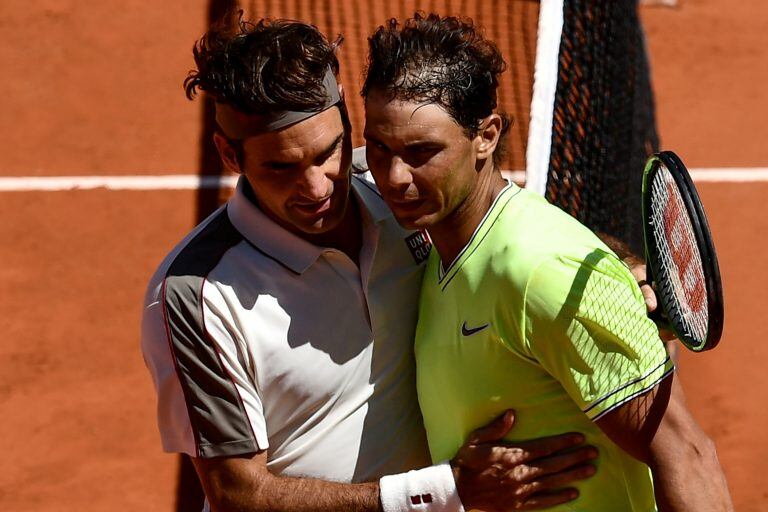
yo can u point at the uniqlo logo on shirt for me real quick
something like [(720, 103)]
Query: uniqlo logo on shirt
[(419, 244)]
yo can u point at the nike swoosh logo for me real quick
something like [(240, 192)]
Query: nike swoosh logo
[(469, 332)]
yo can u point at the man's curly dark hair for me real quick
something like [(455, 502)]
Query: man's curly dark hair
[(263, 67), (441, 60)]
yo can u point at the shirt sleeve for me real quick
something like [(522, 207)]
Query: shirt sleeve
[(586, 324), (207, 403)]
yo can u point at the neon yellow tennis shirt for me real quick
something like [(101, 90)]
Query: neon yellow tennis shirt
[(538, 315)]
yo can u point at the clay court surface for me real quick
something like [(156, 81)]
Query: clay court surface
[(96, 91)]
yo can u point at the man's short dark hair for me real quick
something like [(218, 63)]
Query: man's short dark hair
[(264, 67), (441, 60)]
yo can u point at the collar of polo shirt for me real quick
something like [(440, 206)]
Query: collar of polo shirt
[(280, 244)]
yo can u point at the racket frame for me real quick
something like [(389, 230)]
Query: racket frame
[(711, 269)]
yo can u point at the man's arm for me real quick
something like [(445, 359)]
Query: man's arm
[(236, 484), (527, 475), (637, 266), (656, 428), (601, 329), (530, 475), (635, 263)]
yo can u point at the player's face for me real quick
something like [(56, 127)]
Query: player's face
[(301, 175), (422, 160)]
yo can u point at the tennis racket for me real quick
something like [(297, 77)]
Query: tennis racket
[(681, 261)]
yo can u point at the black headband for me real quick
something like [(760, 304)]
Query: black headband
[(238, 126)]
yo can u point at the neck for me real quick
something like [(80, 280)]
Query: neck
[(452, 234), (347, 236)]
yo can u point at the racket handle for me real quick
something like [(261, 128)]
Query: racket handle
[(660, 319), (657, 315)]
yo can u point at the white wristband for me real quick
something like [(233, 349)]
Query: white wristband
[(430, 489)]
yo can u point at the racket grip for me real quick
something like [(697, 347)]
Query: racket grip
[(660, 319), (657, 315)]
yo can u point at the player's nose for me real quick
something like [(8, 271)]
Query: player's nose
[(399, 175), (316, 182)]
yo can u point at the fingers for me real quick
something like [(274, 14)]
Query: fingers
[(649, 296), (549, 490), (496, 476), (554, 465), (560, 479), (549, 499), (639, 272), (515, 455), (495, 430), (542, 447)]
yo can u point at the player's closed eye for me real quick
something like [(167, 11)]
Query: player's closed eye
[(281, 166), (418, 155), (376, 145), (335, 150)]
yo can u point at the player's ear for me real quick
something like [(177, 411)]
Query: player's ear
[(488, 136), (227, 152)]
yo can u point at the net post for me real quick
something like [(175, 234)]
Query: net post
[(537, 156)]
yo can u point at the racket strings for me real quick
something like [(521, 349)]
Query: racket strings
[(679, 257)]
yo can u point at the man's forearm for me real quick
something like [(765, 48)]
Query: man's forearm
[(245, 485), (686, 471), (657, 429), (521, 475), (280, 494)]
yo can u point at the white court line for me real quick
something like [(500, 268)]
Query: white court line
[(194, 182), (730, 174), (163, 182)]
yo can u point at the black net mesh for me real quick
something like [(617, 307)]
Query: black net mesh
[(603, 127), (512, 24)]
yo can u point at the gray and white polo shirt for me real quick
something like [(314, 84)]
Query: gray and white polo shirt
[(259, 340)]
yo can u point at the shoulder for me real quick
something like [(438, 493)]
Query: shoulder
[(359, 161), (532, 237), (551, 255), (364, 181), (594, 289), (174, 295), (201, 247), (553, 239), (545, 230), (361, 173)]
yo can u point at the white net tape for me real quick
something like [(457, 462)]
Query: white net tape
[(679, 255)]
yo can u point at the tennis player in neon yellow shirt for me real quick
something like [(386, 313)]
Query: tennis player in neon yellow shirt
[(521, 307)]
